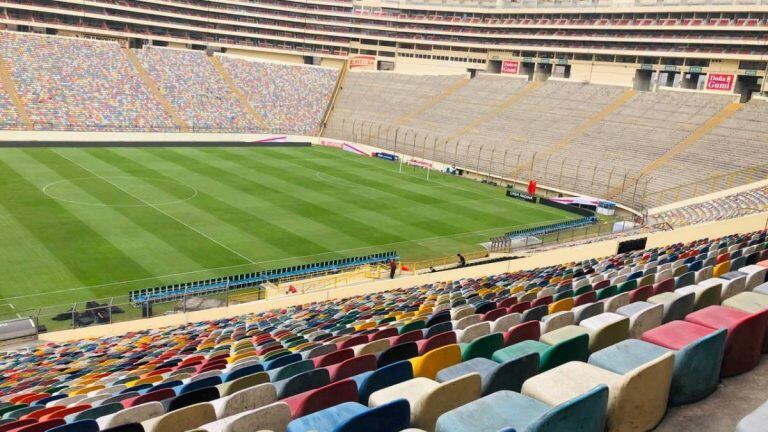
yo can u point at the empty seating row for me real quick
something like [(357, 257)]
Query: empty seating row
[(726, 207)]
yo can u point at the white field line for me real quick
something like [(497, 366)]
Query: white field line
[(426, 239), (158, 209)]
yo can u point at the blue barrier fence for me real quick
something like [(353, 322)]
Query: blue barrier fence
[(168, 293), (551, 228)]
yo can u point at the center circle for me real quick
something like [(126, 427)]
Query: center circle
[(120, 191)]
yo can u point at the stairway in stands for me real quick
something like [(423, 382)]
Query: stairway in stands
[(687, 142), (429, 103), (10, 89), (150, 84), (332, 101), (582, 128), (241, 97)]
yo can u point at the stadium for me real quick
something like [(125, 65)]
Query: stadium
[(383, 216)]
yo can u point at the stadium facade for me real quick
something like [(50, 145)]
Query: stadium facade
[(716, 46)]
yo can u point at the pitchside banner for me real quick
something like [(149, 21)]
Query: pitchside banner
[(510, 67), (386, 156), (521, 196), (720, 82)]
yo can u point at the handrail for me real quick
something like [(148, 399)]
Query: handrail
[(332, 101)]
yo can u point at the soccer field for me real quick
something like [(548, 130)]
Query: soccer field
[(86, 223)]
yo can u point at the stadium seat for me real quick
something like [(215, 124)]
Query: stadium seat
[(483, 346), (570, 349), (273, 417), (643, 316), (508, 375), (354, 417), (317, 399), (245, 400), (530, 330), (429, 399), (302, 382), (676, 305), (507, 410), (369, 382), (605, 329), (429, 364), (743, 343), (136, 414), (698, 356), (637, 396)]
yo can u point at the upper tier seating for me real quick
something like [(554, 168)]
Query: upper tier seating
[(726, 207), (78, 84), (290, 98), (190, 82), (346, 364)]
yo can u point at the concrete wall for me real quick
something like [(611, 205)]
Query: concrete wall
[(607, 73), (142, 136), (551, 257), (430, 67)]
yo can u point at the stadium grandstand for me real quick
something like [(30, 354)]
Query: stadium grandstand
[(383, 216)]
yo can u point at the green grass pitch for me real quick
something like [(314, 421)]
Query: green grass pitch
[(80, 224)]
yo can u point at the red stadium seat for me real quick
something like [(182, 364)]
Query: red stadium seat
[(321, 398), (530, 330), (744, 342)]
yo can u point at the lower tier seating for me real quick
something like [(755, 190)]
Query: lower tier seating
[(601, 344)]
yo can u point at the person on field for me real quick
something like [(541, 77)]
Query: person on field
[(462, 260), (392, 268)]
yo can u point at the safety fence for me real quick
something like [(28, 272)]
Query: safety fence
[(707, 185), (499, 159), (169, 293)]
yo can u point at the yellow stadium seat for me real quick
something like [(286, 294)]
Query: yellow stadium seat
[(563, 305), (431, 363)]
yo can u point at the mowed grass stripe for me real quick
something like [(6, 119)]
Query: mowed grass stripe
[(219, 216), (85, 252), (23, 256), (297, 210), (417, 177), (380, 202), (495, 217), (251, 197), (195, 213), (417, 216), (409, 221), (143, 233), (377, 226), (195, 240), (247, 195)]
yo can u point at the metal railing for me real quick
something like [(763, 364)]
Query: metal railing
[(594, 231), (707, 185)]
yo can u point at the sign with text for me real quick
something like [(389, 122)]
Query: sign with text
[(521, 196), (510, 67), (362, 62), (721, 82), (386, 156)]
